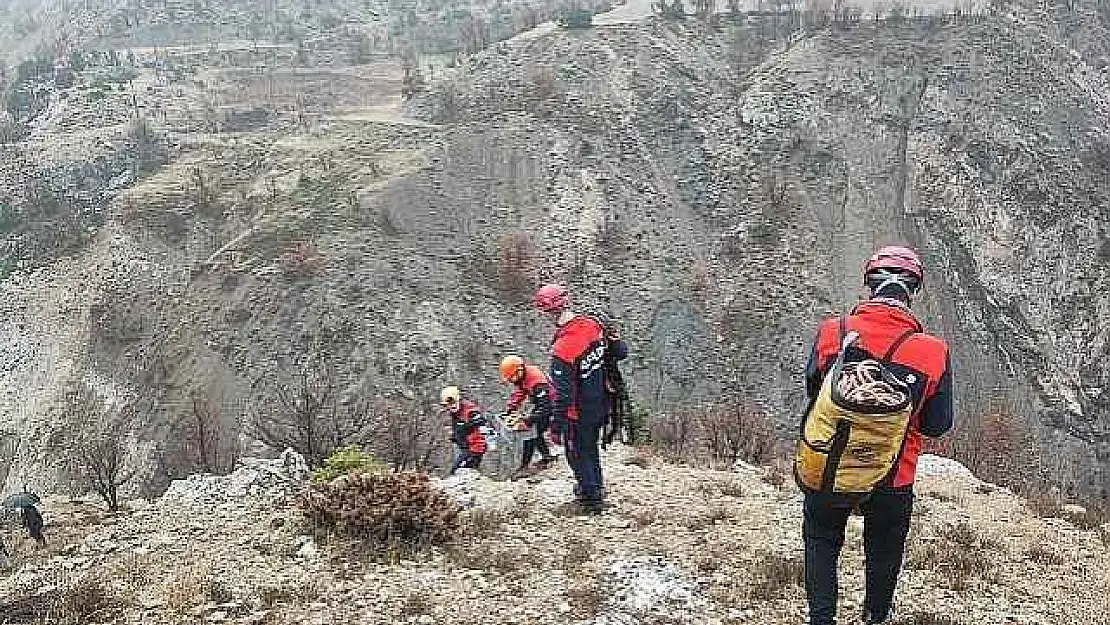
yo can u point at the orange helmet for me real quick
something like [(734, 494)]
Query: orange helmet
[(510, 367)]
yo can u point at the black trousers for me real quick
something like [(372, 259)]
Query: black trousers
[(465, 460), (886, 521), (584, 458), (537, 444), (32, 520)]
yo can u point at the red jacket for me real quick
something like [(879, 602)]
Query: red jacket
[(577, 356), (879, 325), (534, 381), (466, 424)]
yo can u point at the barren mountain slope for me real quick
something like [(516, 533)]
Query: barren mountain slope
[(714, 189)]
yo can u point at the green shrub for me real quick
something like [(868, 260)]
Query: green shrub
[(344, 460), (393, 513)]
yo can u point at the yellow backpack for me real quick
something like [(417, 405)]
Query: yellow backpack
[(853, 431)]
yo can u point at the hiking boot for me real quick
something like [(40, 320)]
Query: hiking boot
[(544, 463), (867, 619), (521, 473), (592, 506)]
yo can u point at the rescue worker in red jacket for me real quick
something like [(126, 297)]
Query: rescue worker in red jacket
[(466, 429), (893, 275), (581, 398), (532, 384)]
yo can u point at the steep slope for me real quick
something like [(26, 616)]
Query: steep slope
[(715, 187)]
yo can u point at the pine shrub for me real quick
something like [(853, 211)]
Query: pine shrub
[(344, 460), (394, 512)]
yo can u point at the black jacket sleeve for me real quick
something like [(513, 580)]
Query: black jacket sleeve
[(938, 414), (542, 406), (477, 420), (562, 377)]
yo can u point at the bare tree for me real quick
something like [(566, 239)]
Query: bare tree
[(404, 435), (95, 448), (205, 436), (302, 410)]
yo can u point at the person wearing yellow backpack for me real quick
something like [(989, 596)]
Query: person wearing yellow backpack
[(877, 384)]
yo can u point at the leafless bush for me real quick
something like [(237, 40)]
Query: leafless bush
[(301, 260), (775, 574), (1044, 554), (516, 264), (204, 439), (734, 432), (958, 553), (672, 435), (95, 447), (405, 435), (85, 600), (301, 410), (995, 448)]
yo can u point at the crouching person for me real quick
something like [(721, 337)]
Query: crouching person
[(466, 429), (533, 385)]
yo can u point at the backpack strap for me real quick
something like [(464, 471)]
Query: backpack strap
[(842, 332), (898, 343)]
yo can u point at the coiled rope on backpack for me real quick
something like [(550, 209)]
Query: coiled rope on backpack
[(862, 383)]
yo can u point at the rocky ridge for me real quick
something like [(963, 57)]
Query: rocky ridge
[(679, 545)]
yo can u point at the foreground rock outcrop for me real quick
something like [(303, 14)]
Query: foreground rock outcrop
[(679, 545)]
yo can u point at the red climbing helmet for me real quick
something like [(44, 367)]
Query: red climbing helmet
[(551, 298), (895, 258)]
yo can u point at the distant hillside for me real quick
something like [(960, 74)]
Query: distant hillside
[(215, 228)]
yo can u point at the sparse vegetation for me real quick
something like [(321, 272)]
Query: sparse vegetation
[(345, 460), (717, 434), (958, 553), (776, 575)]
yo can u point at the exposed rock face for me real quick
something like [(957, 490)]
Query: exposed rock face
[(254, 478), (713, 188)]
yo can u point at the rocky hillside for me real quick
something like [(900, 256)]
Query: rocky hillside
[(714, 186), (679, 545)]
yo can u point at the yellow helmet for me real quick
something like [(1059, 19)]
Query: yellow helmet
[(510, 367), (450, 395)]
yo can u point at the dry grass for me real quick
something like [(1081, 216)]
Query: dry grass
[(578, 553), (639, 458), (194, 586), (289, 593), (928, 618), (643, 516), (487, 556), (584, 594), (1043, 554), (86, 600), (482, 522), (775, 575), (959, 554), (418, 603), (704, 519)]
